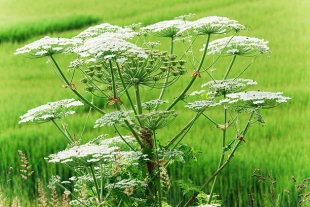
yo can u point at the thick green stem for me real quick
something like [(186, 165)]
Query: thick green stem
[(224, 164), (157, 176), (229, 67), (74, 90), (113, 81), (181, 96), (138, 98)]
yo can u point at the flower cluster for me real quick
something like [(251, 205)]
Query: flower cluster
[(94, 31), (256, 99), (104, 152), (223, 87), (109, 119), (107, 46), (48, 46), (150, 105), (168, 28), (211, 25), (50, 111), (156, 120), (238, 45), (201, 105)]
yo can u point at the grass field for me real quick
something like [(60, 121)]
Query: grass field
[(280, 147)]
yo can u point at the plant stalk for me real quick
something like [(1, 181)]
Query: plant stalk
[(194, 76), (223, 165), (74, 90)]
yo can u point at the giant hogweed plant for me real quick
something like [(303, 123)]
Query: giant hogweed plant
[(118, 64)]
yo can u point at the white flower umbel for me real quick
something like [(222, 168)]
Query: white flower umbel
[(109, 119), (211, 25), (97, 30), (223, 87), (48, 46), (150, 105), (238, 45), (105, 45), (201, 105), (256, 99), (127, 183), (50, 111), (101, 152), (168, 28), (157, 119)]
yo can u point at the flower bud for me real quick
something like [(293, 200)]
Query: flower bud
[(89, 89), (84, 80), (172, 57), (182, 62)]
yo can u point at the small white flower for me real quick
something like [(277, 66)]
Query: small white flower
[(122, 184), (149, 105), (48, 46), (256, 99), (202, 104), (76, 63), (105, 45), (51, 110), (223, 87), (117, 31), (197, 93), (238, 45), (211, 25), (167, 28), (109, 119)]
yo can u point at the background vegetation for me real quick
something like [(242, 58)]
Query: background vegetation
[(281, 147)]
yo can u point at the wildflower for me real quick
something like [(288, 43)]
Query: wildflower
[(150, 105), (102, 151), (109, 119), (256, 99), (82, 153), (76, 63), (54, 180), (171, 155), (197, 93), (238, 45), (201, 105), (50, 111), (168, 28), (48, 46), (105, 45), (123, 184), (158, 119), (223, 87), (97, 30), (211, 25)]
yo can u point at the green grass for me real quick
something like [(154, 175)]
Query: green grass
[(23, 30), (281, 146)]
